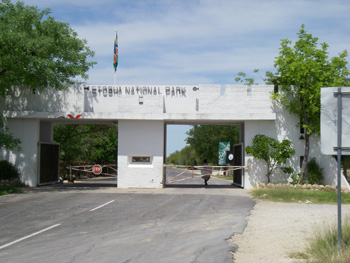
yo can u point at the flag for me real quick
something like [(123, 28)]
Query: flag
[(115, 57)]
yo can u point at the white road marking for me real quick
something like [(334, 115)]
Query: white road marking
[(29, 236), (101, 206)]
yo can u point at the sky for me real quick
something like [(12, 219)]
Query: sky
[(192, 42)]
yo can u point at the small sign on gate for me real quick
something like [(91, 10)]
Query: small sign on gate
[(97, 169), (223, 148)]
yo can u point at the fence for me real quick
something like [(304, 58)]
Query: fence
[(86, 170)]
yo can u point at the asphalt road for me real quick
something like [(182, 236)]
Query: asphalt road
[(107, 224)]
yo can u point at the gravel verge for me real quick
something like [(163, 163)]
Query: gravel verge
[(275, 230)]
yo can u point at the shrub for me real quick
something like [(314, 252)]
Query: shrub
[(8, 171), (273, 152), (315, 172), (296, 178)]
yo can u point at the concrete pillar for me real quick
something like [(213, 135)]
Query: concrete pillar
[(140, 154), (46, 131), (26, 160)]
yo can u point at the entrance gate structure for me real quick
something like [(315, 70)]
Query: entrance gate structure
[(141, 113)]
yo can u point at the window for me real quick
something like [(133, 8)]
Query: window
[(302, 129), (301, 160), (141, 159)]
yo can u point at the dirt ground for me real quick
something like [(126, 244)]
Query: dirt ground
[(275, 230)]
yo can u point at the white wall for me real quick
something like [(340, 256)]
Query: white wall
[(141, 115), (26, 159), (285, 127), (46, 132), (140, 138), (176, 103)]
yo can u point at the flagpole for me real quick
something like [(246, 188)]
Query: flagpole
[(115, 77)]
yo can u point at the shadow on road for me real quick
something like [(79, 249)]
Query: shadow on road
[(200, 186), (89, 184)]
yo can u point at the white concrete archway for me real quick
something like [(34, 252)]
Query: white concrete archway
[(141, 113)]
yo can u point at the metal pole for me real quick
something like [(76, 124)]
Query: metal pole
[(339, 169)]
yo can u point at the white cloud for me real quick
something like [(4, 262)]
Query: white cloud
[(196, 41), (54, 3)]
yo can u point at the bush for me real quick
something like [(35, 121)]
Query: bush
[(315, 172), (296, 178), (8, 171)]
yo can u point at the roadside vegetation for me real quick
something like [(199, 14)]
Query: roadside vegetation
[(9, 178), (291, 194), (323, 246), (9, 189)]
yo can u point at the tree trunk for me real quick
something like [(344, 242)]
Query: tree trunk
[(306, 157), (268, 178), (268, 174), (307, 144)]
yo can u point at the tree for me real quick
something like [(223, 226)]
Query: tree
[(187, 156), (68, 136), (205, 139), (273, 152), (301, 71), (241, 78), (174, 158), (87, 143), (37, 52), (100, 143)]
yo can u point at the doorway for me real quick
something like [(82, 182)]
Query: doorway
[(199, 154), (83, 147)]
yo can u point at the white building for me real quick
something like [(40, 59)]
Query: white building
[(142, 114)]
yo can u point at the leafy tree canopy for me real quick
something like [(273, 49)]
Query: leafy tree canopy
[(205, 139), (87, 143), (187, 156), (242, 78), (301, 71), (37, 51)]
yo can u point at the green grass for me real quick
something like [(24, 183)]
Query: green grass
[(7, 189), (287, 194), (323, 247)]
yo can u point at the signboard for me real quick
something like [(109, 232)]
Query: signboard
[(223, 148), (97, 169), (329, 120)]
